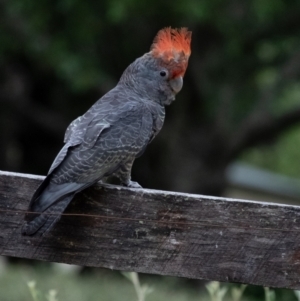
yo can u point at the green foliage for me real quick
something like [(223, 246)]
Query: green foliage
[(216, 292), (33, 291), (297, 293), (141, 290), (279, 156), (101, 285), (237, 292), (36, 295), (269, 294), (289, 99), (244, 63)]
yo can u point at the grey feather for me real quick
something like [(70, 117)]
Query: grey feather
[(44, 222), (104, 141), (88, 135), (71, 129)]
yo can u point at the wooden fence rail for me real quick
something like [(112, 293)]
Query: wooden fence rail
[(160, 232)]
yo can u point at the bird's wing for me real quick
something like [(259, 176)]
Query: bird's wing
[(78, 133), (106, 143), (72, 129)]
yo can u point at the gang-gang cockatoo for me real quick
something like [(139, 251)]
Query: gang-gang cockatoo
[(115, 130)]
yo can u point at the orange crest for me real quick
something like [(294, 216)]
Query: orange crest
[(173, 46)]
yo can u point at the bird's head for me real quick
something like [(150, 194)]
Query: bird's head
[(159, 73)]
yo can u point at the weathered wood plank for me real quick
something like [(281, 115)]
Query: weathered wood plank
[(160, 232)]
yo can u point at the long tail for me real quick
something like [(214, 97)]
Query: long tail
[(47, 219)]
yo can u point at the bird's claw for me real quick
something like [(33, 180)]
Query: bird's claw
[(132, 184)]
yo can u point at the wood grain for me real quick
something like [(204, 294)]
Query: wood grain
[(160, 232)]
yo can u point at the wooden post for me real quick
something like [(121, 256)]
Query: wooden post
[(160, 232)]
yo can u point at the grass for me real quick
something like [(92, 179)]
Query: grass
[(45, 282), (103, 285)]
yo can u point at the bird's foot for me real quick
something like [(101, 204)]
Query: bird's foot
[(132, 184)]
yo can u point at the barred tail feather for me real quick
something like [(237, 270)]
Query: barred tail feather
[(44, 222)]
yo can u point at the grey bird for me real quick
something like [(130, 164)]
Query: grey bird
[(107, 139)]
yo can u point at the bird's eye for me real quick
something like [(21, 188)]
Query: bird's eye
[(163, 73)]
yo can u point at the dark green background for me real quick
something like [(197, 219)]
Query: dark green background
[(241, 89)]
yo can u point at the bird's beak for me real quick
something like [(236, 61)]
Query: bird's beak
[(176, 84)]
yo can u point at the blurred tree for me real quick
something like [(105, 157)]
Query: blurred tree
[(241, 89)]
